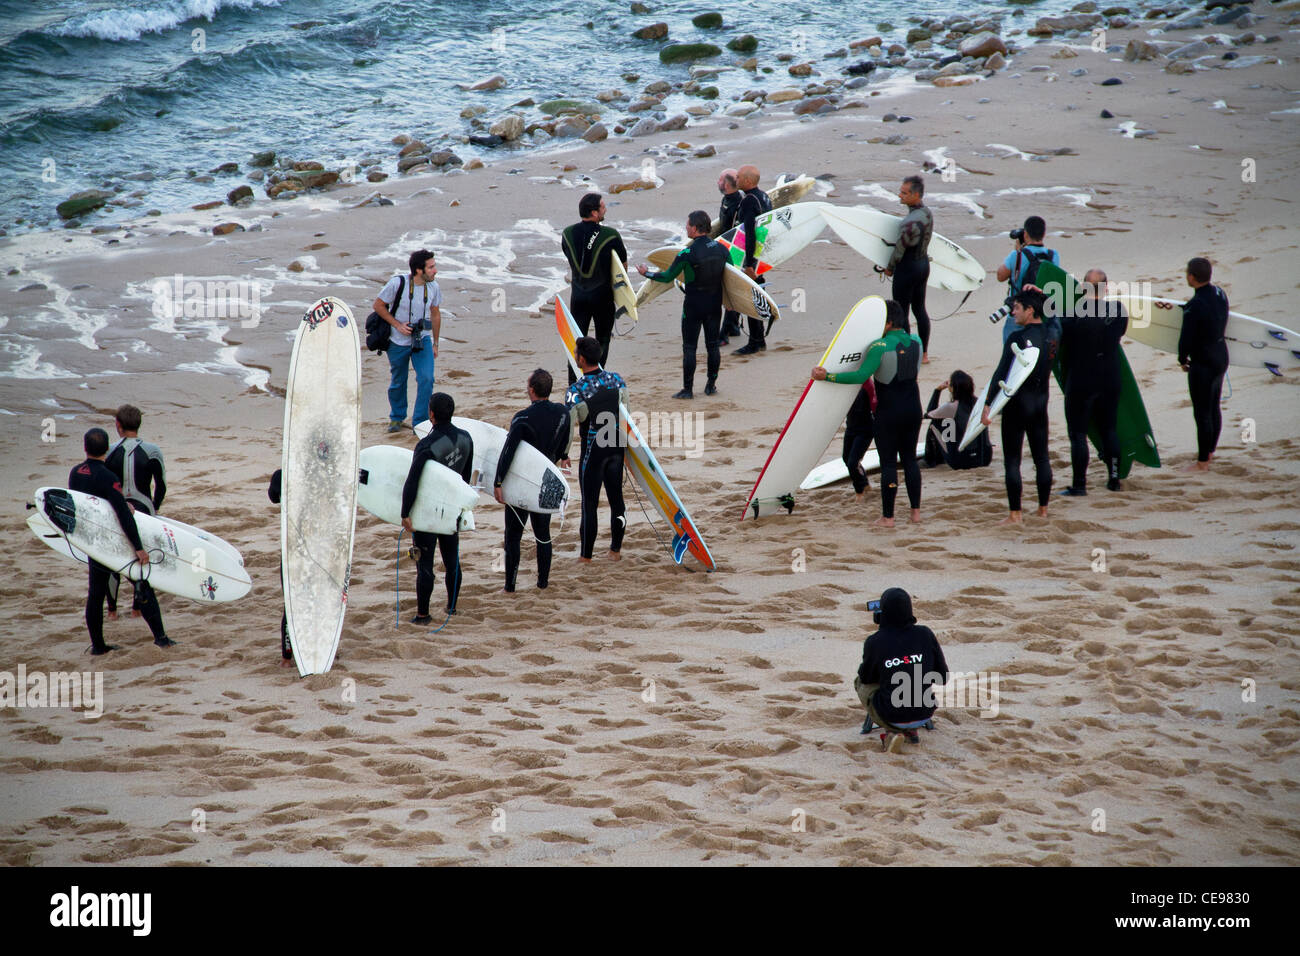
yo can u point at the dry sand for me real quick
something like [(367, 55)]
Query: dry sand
[(643, 712)]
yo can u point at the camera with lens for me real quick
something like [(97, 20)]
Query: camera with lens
[(1017, 235), (417, 340), (874, 608)]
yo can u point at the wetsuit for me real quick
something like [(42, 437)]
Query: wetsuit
[(1090, 371), (139, 467), (545, 426), (701, 266), (447, 445), (727, 211), (900, 663), (286, 649), (893, 361), (752, 205), (1202, 348), (942, 439), (1026, 414), (911, 264), (588, 246), (94, 478), (859, 430), (593, 403)]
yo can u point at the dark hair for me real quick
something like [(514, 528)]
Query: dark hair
[(129, 417), (701, 221), (418, 259), (541, 382), (963, 387), (730, 180), (1030, 300), (895, 316), (1035, 227), (588, 349), (1200, 269), (95, 443), (441, 407), (917, 184), (588, 204)]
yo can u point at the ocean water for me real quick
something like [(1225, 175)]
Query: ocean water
[(149, 97)]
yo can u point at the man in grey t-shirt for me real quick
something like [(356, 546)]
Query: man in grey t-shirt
[(414, 341)]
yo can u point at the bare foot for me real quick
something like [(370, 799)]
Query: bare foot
[(615, 556), (585, 560), (925, 358), (111, 615), (1196, 466), (1042, 511), (286, 662), (1014, 517), (915, 517), (884, 522)]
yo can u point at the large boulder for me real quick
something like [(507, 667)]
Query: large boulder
[(686, 52), (509, 128), (984, 44), (655, 31), (83, 202)]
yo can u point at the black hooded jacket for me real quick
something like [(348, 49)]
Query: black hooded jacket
[(904, 658)]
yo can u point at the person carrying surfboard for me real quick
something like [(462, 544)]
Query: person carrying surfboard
[(544, 425), (728, 209), (1025, 414), (893, 360), (138, 465), (1203, 355), (753, 204), (1090, 350), (450, 446), (92, 477), (701, 264), (909, 264), (593, 402), (587, 245)]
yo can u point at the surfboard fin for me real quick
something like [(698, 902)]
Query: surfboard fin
[(363, 478), (787, 502), (1273, 368)]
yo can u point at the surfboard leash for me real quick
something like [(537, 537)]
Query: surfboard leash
[(649, 519)]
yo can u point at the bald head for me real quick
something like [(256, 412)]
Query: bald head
[(1095, 282), (747, 177), (727, 181)]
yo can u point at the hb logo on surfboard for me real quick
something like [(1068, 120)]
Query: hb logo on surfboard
[(854, 359)]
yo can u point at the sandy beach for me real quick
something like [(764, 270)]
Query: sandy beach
[(641, 712)]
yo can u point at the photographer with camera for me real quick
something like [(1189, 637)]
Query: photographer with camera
[(901, 672), (1021, 268), (402, 303)]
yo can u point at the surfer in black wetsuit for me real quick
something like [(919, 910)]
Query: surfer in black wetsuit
[(701, 265), (1026, 412), (909, 264), (1090, 343), (948, 424), (728, 209), (138, 465), (588, 245), (594, 402), (752, 205), (893, 360), (859, 432), (273, 492), (1203, 354), (93, 478), (450, 446), (545, 426)]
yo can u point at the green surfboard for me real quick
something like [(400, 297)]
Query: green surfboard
[(1136, 440)]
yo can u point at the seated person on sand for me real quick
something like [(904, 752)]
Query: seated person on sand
[(948, 424), (901, 672)]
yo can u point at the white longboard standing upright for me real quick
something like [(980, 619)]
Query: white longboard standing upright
[(1021, 368), (318, 506)]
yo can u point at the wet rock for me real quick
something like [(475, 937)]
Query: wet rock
[(488, 142), (917, 34), (410, 162), (655, 31), (640, 106), (308, 166), (571, 128), (686, 52), (225, 169), (707, 21), (238, 194), (470, 112), (673, 123), (866, 44), (608, 96), (745, 43), (644, 127), (205, 206), (1140, 50), (800, 69), (639, 8), (376, 176), (1112, 81), (401, 139), (982, 45), (415, 146), (445, 157), (491, 83), (1087, 6), (815, 104), (509, 128), (83, 202), (708, 93), (704, 152), (264, 157), (226, 228), (1179, 67), (741, 109), (635, 185), (257, 175), (952, 69), (856, 83), (1046, 26), (784, 96), (860, 69), (995, 62), (595, 133)]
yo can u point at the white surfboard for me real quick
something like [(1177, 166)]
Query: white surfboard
[(443, 505), (1253, 343), (318, 503), (533, 482), (872, 234), (740, 293), (818, 414), (184, 561), (784, 193), (1020, 371), (624, 295), (786, 232), (835, 470)]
